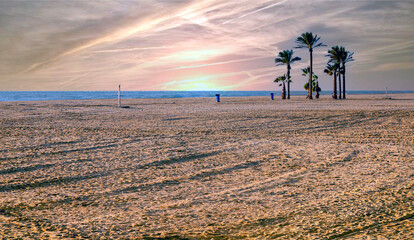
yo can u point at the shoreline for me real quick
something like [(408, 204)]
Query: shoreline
[(277, 97), (211, 94)]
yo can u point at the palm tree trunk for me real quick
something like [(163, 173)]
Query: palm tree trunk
[(288, 90), (317, 89), (284, 91), (288, 82), (339, 84), (334, 93), (343, 82), (310, 75)]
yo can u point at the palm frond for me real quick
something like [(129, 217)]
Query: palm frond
[(329, 69), (305, 71), (334, 61), (335, 54), (286, 57), (329, 72), (349, 57), (319, 45), (308, 40), (280, 79)]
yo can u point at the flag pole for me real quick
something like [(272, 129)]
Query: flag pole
[(119, 95)]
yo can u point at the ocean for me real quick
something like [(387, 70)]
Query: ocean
[(83, 95)]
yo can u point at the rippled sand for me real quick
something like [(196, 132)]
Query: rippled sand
[(195, 169)]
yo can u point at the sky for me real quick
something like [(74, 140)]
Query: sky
[(165, 45)]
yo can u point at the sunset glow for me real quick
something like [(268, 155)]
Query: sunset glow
[(197, 45), (194, 84)]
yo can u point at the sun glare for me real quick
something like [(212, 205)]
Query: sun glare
[(196, 18), (206, 83), (196, 55)]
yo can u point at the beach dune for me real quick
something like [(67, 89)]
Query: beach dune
[(192, 168)]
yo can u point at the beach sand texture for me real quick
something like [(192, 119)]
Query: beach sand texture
[(196, 169)]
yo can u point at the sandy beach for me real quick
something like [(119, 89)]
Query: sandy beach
[(245, 168)]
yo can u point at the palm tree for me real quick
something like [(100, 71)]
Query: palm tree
[(315, 82), (282, 79), (335, 56), (317, 88), (286, 58), (339, 83), (340, 56), (307, 40), (346, 57), (305, 71), (332, 69)]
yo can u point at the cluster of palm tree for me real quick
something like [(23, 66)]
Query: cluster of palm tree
[(338, 58), (315, 81), (286, 58)]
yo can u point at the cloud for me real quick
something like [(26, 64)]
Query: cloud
[(255, 11), (394, 66), (78, 45), (215, 63)]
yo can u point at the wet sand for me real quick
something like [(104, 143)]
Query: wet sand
[(196, 169)]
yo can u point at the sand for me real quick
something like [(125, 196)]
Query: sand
[(195, 169)]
